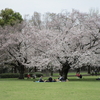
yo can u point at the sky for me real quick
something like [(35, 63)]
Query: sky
[(28, 7)]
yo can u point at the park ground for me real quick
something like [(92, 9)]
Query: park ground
[(87, 88)]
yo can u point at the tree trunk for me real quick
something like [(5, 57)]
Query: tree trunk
[(21, 76), (21, 72), (89, 69), (51, 73), (35, 69), (65, 69), (65, 72), (21, 69)]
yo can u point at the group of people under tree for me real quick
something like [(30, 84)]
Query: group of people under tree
[(60, 78), (94, 72), (29, 76)]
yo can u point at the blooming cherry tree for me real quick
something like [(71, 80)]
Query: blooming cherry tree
[(64, 41)]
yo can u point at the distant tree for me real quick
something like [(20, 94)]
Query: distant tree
[(36, 19), (22, 47), (9, 17)]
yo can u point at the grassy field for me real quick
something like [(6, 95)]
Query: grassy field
[(87, 88)]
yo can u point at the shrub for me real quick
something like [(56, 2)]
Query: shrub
[(38, 74), (9, 75)]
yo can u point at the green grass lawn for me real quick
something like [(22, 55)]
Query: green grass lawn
[(75, 89)]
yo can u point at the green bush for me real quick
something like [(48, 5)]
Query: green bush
[(9, 75), (38, 74)]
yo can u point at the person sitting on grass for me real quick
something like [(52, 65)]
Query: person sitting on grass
[(78, 75), (41, 80), (50, 79), (61, 78), (28, 76)]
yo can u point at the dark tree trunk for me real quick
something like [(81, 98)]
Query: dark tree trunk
[(21, 72), (64, 71), (89, 69), (35, 69), (51, 73), (21, 69), (21, 76), (65, 68)]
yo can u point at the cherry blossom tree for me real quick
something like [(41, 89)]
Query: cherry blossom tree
[(64, 41), (22, 48), (77, 35)]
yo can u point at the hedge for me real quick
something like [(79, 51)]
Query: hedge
[(16, 75), (38, 74), (9, 75)]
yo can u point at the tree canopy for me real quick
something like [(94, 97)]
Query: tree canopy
[(9, 17), (65, 40)]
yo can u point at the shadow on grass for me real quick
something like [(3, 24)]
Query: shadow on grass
[(84, 80)]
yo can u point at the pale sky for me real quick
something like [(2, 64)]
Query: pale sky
[(25, 7)]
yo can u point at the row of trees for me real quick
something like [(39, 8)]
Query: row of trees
[(58, 41)]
